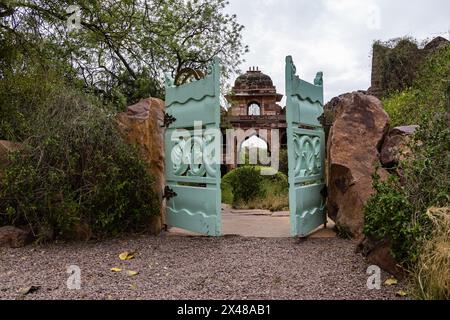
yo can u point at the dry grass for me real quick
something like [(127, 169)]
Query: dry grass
[(432, 275), (272, 202)]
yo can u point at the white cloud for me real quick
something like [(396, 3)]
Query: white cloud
[(333, 36)]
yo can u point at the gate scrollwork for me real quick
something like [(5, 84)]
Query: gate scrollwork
[(307, 155), (194, 156)]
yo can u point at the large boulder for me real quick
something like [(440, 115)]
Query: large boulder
[(14, 237), (142, 125), (395, 146), (359, 127)]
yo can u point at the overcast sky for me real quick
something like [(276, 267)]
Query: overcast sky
[(333, 36)]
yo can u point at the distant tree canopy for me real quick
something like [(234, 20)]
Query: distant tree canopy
[(122, 48)]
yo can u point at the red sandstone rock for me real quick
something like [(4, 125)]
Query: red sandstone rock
[(379, 253), (395, 145), (360, 125), (142, 125), (14, 237)]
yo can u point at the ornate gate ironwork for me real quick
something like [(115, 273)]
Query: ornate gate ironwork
[(306, 151), (193, 151)]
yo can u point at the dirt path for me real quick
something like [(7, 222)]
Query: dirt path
[(173, 267)]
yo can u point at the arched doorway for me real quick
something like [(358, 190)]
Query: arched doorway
[(254, 109), (251, 149)]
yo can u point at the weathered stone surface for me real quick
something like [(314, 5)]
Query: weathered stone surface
[(436, 44), (14, 237), (142, 125), (379, 253), (359, 127), (140, 109), (395, 145)]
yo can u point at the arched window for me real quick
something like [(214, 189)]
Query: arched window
[(254, 109)]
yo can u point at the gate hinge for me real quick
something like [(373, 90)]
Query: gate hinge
[(168, 120), (322, 120), (169, 193)]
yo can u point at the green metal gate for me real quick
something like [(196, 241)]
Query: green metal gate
[(306, 152), (193, 151)]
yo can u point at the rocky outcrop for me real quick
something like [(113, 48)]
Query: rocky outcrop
[(395, 146), (142, 125), (359, 127), (14, 237)]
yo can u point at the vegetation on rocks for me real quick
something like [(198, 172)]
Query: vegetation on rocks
[(399, 211), (399, 62), (427, 97)]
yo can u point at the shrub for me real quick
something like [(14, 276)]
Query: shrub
[(247, 184), (397, 211), (390, 215), (271, 192), (75, 170)]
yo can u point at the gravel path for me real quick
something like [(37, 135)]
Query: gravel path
[(192, 268)]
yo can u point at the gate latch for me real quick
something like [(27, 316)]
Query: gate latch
[(169, 193), (168, 120)]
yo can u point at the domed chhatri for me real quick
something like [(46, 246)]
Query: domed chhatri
[(254, 105), (254, 80), (254, 94)]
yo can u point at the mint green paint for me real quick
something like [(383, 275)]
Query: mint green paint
[(192, 157), (306, 151)]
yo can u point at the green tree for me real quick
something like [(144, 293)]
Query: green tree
[(123, 48)]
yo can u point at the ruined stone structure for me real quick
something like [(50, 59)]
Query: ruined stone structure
[(380, 89), (254, 103)]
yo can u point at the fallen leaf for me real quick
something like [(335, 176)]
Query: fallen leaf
[(116, 269), (133, 286), (401, 293), (126, 256), (132, 273), (28, 290), (391, 282)]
